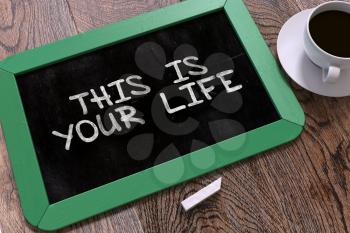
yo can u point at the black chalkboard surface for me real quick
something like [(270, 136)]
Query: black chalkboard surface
[(73, 94)]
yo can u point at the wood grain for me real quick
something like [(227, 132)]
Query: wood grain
[(28, 24), (299, 187), (90, 14)]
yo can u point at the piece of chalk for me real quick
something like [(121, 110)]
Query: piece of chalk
[(201, 195)]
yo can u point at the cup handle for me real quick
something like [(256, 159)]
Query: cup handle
[(330, 74)]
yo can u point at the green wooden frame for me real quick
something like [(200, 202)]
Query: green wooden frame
[(34, 201)]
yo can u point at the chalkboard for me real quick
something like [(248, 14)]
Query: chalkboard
[(118, 110), (138, 68)]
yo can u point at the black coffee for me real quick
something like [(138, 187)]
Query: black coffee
[(331, 32)]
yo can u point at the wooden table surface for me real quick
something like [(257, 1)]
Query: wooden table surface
[(303, 186)]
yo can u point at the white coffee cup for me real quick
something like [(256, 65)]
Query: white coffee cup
[(331, 65)]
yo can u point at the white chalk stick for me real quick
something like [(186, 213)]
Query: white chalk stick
[(201, 195)]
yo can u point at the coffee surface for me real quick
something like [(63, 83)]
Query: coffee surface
[(330, 31)]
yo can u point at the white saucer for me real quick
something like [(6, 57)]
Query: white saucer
[(290, 49)]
